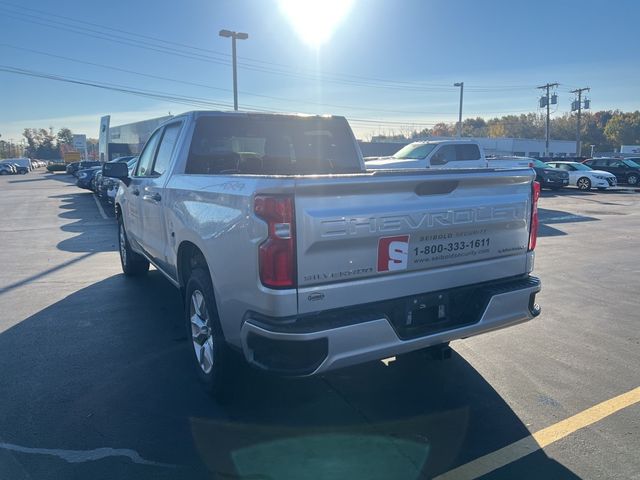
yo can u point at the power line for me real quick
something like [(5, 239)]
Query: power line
[(201, 85), (179, 99), (216, 57)]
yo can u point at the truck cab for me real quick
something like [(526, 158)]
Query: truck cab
[(432, 154)]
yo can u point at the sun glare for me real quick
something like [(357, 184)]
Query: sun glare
[(315, 20)]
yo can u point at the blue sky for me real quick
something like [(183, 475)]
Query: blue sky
[(389, 65)]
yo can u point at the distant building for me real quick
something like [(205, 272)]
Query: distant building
[(492, 146), (125, 139)]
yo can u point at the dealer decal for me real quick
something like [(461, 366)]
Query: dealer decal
[(393, 253)]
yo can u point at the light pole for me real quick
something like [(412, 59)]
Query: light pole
[(234, 36), (461, 85), (592, 147)]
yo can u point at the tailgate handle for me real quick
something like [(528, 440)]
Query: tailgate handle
[(439, 187)]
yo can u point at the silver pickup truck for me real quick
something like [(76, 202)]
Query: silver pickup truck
[(287, 250)]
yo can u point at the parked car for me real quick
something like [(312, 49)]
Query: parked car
[(12, 167), (286, 249), (6, 169), (56, 166), (548, 177), (584, 177), (432, 154), (625, 169), (16, 167), (85, 177), (84, 164), (23, 165), (111, 184), (72, 167)]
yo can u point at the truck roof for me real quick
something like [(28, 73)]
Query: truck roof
[(461, 140), (200, 113)]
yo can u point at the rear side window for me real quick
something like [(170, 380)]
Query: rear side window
[(467, 152), (272, 145)]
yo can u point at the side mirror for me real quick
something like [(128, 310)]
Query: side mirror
[(119, 170)]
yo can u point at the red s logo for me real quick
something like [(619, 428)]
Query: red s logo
[(393, 253)]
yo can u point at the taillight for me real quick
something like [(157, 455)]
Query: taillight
[(533, 230), (277, 254)]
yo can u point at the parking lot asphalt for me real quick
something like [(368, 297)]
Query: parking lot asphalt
[(96, 380)]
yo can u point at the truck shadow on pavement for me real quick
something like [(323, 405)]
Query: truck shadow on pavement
[(109, 366), (549, 217), (86, 222)]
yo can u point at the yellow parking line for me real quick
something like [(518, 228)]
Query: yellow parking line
[(542, 438)]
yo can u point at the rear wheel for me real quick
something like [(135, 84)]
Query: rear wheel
[(214, 361), (632, 179), (584, 184), (133, 264)]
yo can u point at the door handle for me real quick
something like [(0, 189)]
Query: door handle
[(136, 192), (156, 197)]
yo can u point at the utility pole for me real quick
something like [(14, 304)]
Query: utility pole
[(546, 102), (461, 85), (577, 105), (234, 36)]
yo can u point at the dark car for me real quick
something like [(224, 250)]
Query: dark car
[(16, 167), (6, 169), (625, 170), (85, 176), (72, 167), (110, 185), (83, 165), (549, 177), (103, 184)]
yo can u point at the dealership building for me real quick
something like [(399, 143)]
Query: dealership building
[(125, 139)]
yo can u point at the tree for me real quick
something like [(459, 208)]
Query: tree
[(41, 143), (64, 137), (624, 128), (474, 127)]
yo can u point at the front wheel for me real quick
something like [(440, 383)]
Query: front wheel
[(632, 179), (584, 184), (133, 264), (214, 361)]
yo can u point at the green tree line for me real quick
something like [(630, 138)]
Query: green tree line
[(606, 129)]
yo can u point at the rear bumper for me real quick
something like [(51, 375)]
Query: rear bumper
[(302, 346)]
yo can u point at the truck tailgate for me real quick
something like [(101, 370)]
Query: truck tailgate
[(384, 226)]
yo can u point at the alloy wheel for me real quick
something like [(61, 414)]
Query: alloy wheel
[(201, 333)]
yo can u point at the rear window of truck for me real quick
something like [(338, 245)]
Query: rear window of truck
[(272, 146)]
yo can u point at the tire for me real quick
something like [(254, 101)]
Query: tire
[(133, 264), (632, 179), (584, 183), (216, 365), (4, 172)]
